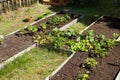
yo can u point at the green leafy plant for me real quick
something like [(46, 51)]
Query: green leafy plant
[(21, 31), (56, 20), (57, 42), (43, 15), (83, 77), (32, 29), (1, 39), (43, 25), (116, 35), (37, 38), (97, 50), (90, 62), (80, 46), (67, 16), (70, 34)]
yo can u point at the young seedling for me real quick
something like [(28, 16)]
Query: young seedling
[(21, 31), (116, 35), (37, 38), (83, 77), (43, 15), (90, 62), (32, 29), (43, 25)]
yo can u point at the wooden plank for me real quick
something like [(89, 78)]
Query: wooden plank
[(118, 76)]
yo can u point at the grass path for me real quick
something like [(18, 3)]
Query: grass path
[(34, 65)]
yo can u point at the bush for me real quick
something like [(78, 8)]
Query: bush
[(84, 2)]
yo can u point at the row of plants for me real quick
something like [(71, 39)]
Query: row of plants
[(43, 15), (50, 24), (95, 45), (29, 30)]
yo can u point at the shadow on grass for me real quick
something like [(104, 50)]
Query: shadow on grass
[(91, 13), (56, 50)]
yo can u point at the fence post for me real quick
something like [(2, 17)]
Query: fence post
[(26, 2), (29, 2), (8, 5), (16, 5), (19, 3), (12, 4), (1, 7), (4, 6)]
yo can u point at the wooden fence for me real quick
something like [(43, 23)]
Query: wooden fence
[(7, 5)]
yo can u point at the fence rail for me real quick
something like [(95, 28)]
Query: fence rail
[(7, 5)]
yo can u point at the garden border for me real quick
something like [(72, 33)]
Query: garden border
[(32, 46), (118, 76)]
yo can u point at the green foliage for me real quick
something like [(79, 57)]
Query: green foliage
[(42, 39), (1, 39), (96, 45), (43, 15), (21, 31), (116, 35), (69, 34), (84, 2), (32, 29), (67, 16), (90, 62), (55, 20), (83, 77), (80, 46), (57, 42), (101, 45), (43, 25), (37, 38)]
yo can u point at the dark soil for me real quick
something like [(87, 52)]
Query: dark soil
[(107, 26), (107, 67), (16, 43)]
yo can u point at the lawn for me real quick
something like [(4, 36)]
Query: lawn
[(33, 65), (39, 62)]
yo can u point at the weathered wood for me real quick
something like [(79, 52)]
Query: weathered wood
[(16, 5), (7, 5), (0, 7), (29, 2), (4, 7), (12, 4)]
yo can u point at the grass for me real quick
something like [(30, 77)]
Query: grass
[(33, 65), (13, 20), (39, 62)]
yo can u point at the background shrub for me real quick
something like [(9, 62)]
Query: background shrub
[(84, 2)]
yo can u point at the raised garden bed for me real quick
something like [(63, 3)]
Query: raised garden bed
[(15, 42), (107, 67)]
